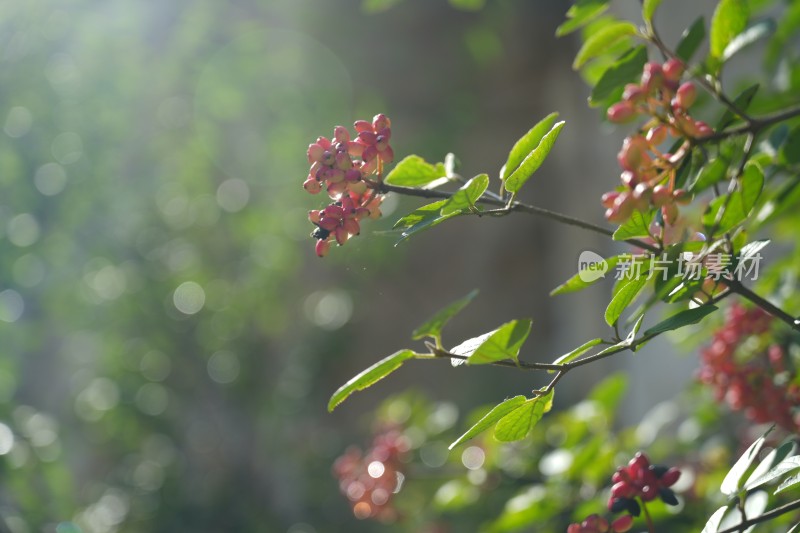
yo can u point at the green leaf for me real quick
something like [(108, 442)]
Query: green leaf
[(468, 5), (421, 214), (377, 6), (691, 39), (577, 352), (772, 467), (413, 171), (426, 224), (587, 276), (624, 297), (712, 526), (752, 248), (714, 172), (734, 480), (502, 343), (748, 37), (729, 20), (738, 204), (370, 376), (790, 151), (466, 196), (518, 423), (788, 483), (580, 14), (681, 319), (599, 42), (526, 144), (433, 327), (498, 412), (742, 102), (636, 226), (625, 70), (649, 9), (533, 160)]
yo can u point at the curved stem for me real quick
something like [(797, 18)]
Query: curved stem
[(509, 208), (651, 528), (778, 511)]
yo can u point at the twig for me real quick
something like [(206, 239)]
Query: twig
[(778, 511)]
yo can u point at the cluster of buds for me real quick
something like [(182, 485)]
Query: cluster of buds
[(597, 524), (750, 372), (643, 481), (343, 166), (369, 480), (648, 174)]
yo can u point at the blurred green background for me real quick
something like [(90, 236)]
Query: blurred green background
[(168, 340)]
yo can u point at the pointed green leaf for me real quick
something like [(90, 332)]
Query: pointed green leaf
[(624, 297), (712, 526), (577, 352), (714, 172), (790, 151), (426, 223), (625, 70), (588, 275), (518, 423), (599, 42), (526, 144), (467, 195), (498, 412), (580, 14), (738, 204), (729, 20), (788, 483), (433, 327), (636, 226), (735, 478), (742, 102), (772, 468), (691, 39), (748, 37), (413, 171), (769, 464), (533, 160), (649, 9), (679, 320), (421, 214), (370, 376), (502, 343)]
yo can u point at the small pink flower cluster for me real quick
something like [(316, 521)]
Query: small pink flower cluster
[(642, 480), (648, 174), (597, 524), (749, 372), (637, 481), (370, 480), (343, 166)]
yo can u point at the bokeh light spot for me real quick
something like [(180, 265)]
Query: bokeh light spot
[(233, 195), (11, 305), (23, 230), (223, 367), (18, 122), (50, 179), (376, 469), (189, 298), (473, 457)]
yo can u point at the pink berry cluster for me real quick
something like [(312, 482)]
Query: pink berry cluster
[(343, 166), (750, 372), (597, 524), (640, 480), (648, 174), (637, 481), (369, 480)]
